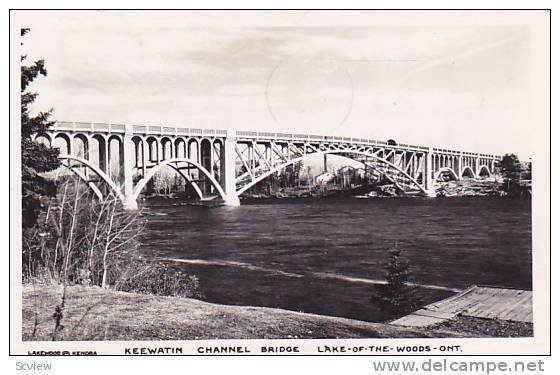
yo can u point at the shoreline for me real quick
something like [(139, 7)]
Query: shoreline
[(92, 313), (445, 189)]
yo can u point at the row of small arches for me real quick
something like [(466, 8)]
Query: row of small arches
[(452, 161), (466, 172), (102, 149)]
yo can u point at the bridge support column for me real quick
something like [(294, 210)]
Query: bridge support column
[(129, 156), (428, 171), (228, 184), (460, 167), (143, 143), (107, 153), (476, 165)]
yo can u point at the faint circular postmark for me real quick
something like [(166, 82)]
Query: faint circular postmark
[(315, 94)]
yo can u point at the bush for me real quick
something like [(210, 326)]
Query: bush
[(148, 277), (80, 239)]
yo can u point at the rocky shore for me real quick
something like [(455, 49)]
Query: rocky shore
[(489, 187)]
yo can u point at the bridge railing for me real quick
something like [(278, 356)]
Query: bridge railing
[(137, 129), (88, 127), (466, 153), (263, 136)]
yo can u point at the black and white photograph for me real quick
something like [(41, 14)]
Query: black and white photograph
[(267, 182)]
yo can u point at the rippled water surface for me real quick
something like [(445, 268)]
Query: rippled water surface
[(324, 255)]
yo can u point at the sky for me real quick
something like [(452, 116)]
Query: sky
[(461, 82)]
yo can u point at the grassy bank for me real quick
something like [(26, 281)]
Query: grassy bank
[(93, 313)]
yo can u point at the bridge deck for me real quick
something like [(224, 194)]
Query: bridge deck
[(480, 302), (110, 128)]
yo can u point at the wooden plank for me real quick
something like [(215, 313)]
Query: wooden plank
[(422, 318), (512, 309), (480, 302), (503, 304)]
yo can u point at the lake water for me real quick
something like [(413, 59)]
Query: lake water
[(325, 255)]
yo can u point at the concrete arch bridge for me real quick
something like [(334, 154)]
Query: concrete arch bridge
[(218, 164)]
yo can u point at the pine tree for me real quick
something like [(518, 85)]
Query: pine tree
[(35, 158), (396, 297)]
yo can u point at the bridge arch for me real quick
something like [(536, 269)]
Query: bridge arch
[(152, 145), (103, 176), (138, 143), (115, 188), (485, 169), (193, 149), (98, 151), (87, 181), (115, 137), (343, 153), (43, 138), (446, 170), (80, 145), (166, 148), (206, 152), (180, 148), (141, 157), (115, 147), (169, 162), (114, 142), (469, 171), (63, 142)]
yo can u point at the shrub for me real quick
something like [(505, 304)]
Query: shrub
[(82, 240), (158, 278)]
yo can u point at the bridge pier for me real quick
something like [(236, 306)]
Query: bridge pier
[(428, 179), (130, 203), (460, 167), (128, 157), (228, 183), (477, 166)]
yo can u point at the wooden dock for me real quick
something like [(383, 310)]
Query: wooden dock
[(480, 302)]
